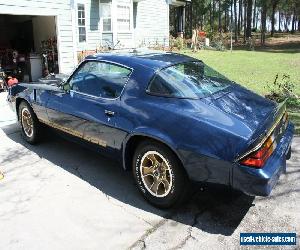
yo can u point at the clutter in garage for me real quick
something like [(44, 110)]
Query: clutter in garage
[(28, 50)]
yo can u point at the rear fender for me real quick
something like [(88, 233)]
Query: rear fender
[(149, 133)]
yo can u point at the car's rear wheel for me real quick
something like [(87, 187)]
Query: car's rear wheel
[(159, 174), (30, 125)]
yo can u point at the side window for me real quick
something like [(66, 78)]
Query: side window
[(100, 79), (159, 86)]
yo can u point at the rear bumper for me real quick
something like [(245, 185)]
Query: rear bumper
[(261, 181)]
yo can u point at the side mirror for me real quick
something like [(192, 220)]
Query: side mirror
[(65, 86)]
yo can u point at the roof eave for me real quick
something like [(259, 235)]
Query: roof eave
[(178, 3)]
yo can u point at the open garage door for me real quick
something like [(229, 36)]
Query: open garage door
[(28, 46)]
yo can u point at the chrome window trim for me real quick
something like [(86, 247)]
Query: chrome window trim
[(104, 61)]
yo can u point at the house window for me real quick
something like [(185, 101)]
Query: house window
[(135, 6), (81, 23), (105, 7), (123, 17)]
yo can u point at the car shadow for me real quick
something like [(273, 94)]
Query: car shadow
[(211, 208)]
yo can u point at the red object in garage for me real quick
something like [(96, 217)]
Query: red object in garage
[(12, 81)]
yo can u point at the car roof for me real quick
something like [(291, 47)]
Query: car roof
[(152, 59)]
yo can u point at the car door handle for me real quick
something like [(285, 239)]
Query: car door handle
[(109, 113)]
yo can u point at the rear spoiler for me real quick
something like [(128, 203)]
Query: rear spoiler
[(277, 116), (14, 90)]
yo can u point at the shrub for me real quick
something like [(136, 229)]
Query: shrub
[(178, 43), (250, 43), (219, 45), (281, 89), (217, 41)]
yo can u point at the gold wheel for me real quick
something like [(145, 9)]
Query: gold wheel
[(27, 122), (156, 174)]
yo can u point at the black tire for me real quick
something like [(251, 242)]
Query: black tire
[(34, 136), (178, 188)]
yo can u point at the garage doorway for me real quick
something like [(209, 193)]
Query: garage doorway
[(28, 46)]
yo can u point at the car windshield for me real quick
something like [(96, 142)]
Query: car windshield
[(188, 80)]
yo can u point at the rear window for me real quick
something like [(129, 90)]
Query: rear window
[(188, 80)]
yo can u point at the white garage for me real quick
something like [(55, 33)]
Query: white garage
[(36, 38)]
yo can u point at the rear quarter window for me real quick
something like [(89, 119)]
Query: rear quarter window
[(187, 80)]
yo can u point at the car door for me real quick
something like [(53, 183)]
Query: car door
[(89, 109)]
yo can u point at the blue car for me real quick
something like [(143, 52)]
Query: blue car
[(168, 118)]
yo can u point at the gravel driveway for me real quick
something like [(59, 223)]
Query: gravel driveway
[(58, 195)]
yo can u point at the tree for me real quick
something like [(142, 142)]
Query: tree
[(279, 21), (245, 18), (213, 10), (293, 22), (211, 15), (274, 5), (226, 5), (240, 20), (249, 18), (242, 15), (254, 14), (219, 17), (263, 22), (235, 23)]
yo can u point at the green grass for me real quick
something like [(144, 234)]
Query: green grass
[(253, 69), (256, 69)]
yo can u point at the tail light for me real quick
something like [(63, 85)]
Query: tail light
[(258, 158)]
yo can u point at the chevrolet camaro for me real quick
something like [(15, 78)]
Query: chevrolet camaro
[(168, 118)]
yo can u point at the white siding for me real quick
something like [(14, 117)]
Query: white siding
[(126, 40), (152, 23), (94, 29), (61, 9)]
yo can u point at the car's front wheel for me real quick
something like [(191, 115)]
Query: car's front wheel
[(159, 174), (30, 125)]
